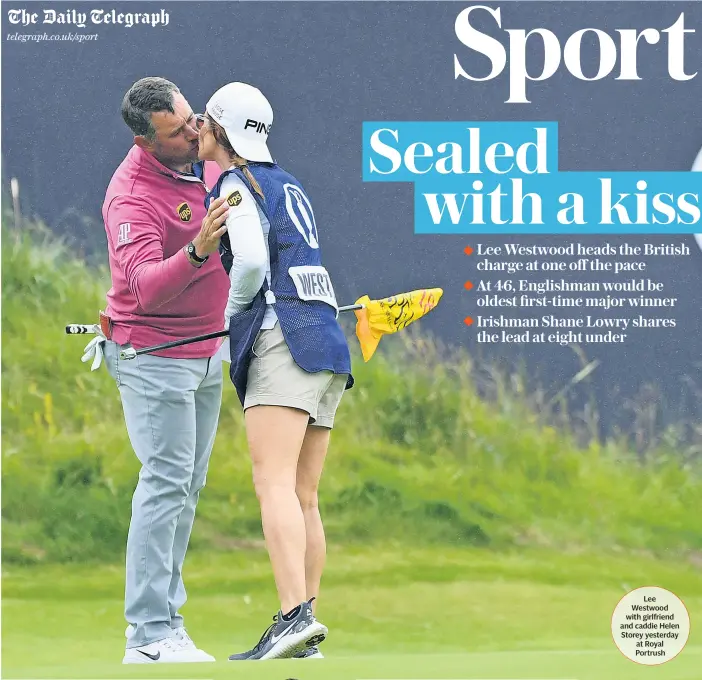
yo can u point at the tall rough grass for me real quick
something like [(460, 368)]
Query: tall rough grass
[(424, 451)]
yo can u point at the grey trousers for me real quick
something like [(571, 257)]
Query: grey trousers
[(171, 409)]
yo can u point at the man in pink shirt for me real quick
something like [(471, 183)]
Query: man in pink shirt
[(168, 283)]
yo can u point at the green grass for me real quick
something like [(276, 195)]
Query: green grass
[(542, 665), (392, 613), (418, 454), (475, 530)]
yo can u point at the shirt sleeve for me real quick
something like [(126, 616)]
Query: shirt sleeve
[(250, 256), (136, 232)]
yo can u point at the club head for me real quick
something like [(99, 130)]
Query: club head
[(127, 352)]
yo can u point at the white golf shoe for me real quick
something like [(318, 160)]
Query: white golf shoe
[(176, 649), (184, 639)]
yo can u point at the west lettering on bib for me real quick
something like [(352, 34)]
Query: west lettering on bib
[(314, 283)]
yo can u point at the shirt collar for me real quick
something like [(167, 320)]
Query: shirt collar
[(144, 158)]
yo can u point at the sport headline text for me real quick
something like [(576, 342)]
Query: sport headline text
[(622, 54), (503, 177)]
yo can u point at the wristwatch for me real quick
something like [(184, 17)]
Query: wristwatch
[(193, 256)]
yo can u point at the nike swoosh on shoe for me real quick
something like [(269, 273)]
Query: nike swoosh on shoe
[(153, 657)]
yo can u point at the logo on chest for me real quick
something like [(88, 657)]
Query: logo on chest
[(300, 213), (184, 212)]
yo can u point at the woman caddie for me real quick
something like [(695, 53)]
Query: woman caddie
[(290, 361)]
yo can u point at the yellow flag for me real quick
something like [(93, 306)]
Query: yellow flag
[(391, 314)]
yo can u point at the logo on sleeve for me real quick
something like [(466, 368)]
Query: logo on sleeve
[(234, 198), (184, 212), (123, 234)]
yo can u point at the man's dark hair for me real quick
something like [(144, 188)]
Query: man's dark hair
[(147, 96)]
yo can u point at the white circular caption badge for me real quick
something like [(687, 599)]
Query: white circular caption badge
[(650, 625)]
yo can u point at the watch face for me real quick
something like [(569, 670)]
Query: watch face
[(192, 253)]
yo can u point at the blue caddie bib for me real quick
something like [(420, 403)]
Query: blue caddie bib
[(305, 303)]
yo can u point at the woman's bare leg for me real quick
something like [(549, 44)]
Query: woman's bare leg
[(275, 435), (309, 471)]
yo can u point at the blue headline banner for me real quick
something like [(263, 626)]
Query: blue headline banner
[(502, 177)]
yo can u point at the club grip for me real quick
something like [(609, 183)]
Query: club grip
[(79, 328)]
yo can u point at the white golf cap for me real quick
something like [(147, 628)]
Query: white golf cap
[(246, 117)]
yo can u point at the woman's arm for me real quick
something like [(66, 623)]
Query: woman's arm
[(250, 257)]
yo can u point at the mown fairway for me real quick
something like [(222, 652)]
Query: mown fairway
[(391, 614), (529, 529)]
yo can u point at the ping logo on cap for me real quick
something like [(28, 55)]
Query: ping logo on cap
[(234, 198), (259, 127), (184, 212)]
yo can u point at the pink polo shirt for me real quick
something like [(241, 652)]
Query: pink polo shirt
[(150, 214)]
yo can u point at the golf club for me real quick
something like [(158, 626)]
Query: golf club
[(82, 328), (127, 352)]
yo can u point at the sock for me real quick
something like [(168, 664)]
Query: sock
[(292, 614)]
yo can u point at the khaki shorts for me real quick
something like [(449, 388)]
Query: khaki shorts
[(275, 379)]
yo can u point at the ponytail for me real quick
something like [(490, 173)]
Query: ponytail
[(244, 168)]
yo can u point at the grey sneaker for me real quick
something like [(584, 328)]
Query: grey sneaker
[(243, 656), (310, 653), (286, 639)]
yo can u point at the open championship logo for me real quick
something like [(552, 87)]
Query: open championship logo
[(300, 211)]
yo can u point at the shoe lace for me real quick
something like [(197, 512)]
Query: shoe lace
[(266, 634), (171, 643), (182, 636)]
